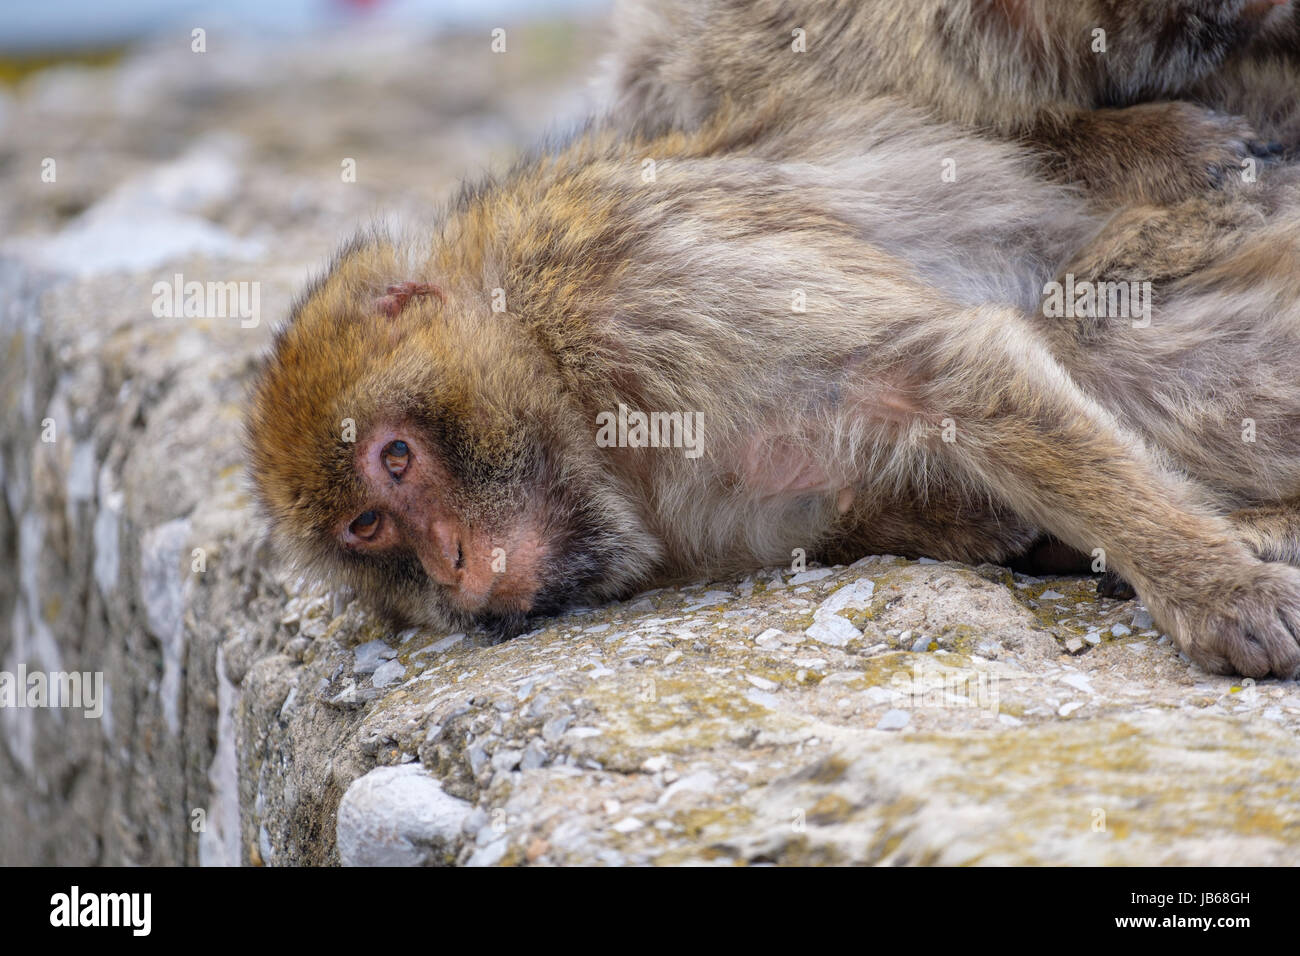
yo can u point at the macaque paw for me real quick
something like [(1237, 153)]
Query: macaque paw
[(1248, 625), (1210, 148)]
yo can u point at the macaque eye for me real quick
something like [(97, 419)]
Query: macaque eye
[(366, 525), (396, 457)]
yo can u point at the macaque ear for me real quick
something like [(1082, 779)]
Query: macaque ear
[(395, 298)]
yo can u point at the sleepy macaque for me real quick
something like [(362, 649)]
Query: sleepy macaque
[(899, 409)]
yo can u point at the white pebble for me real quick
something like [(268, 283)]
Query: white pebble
[(894, 720)]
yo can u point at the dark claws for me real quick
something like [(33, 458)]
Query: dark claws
[(1111, 585)]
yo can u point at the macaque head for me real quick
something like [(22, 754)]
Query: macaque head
[(407, 440)]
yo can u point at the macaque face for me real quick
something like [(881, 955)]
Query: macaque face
[(430, 459), (412, 504), (472, 501), (450, 526)]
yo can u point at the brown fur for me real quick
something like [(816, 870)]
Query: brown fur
[(1261, 82)]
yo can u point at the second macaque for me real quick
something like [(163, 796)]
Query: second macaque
[(1098, 89)]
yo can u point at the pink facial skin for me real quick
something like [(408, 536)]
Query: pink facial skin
[(407, 506)]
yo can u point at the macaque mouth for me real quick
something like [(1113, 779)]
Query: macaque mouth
[(484, 573), (547, 572)]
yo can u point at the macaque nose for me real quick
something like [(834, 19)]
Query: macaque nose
[(457, 557), (443, 555)]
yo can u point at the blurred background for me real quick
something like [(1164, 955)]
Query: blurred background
[(133, 132), (59, 25), (237, 142)]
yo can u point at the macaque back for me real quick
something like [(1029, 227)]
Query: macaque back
[(1096, 88)]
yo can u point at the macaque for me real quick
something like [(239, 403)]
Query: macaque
[(1098, 89), (861, 345)]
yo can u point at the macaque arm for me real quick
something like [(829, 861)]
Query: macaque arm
[(1028, 434), (1149, 153)]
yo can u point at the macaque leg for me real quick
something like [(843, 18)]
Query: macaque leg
[(1272, 532), (1150, 153), (1027, 433)]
